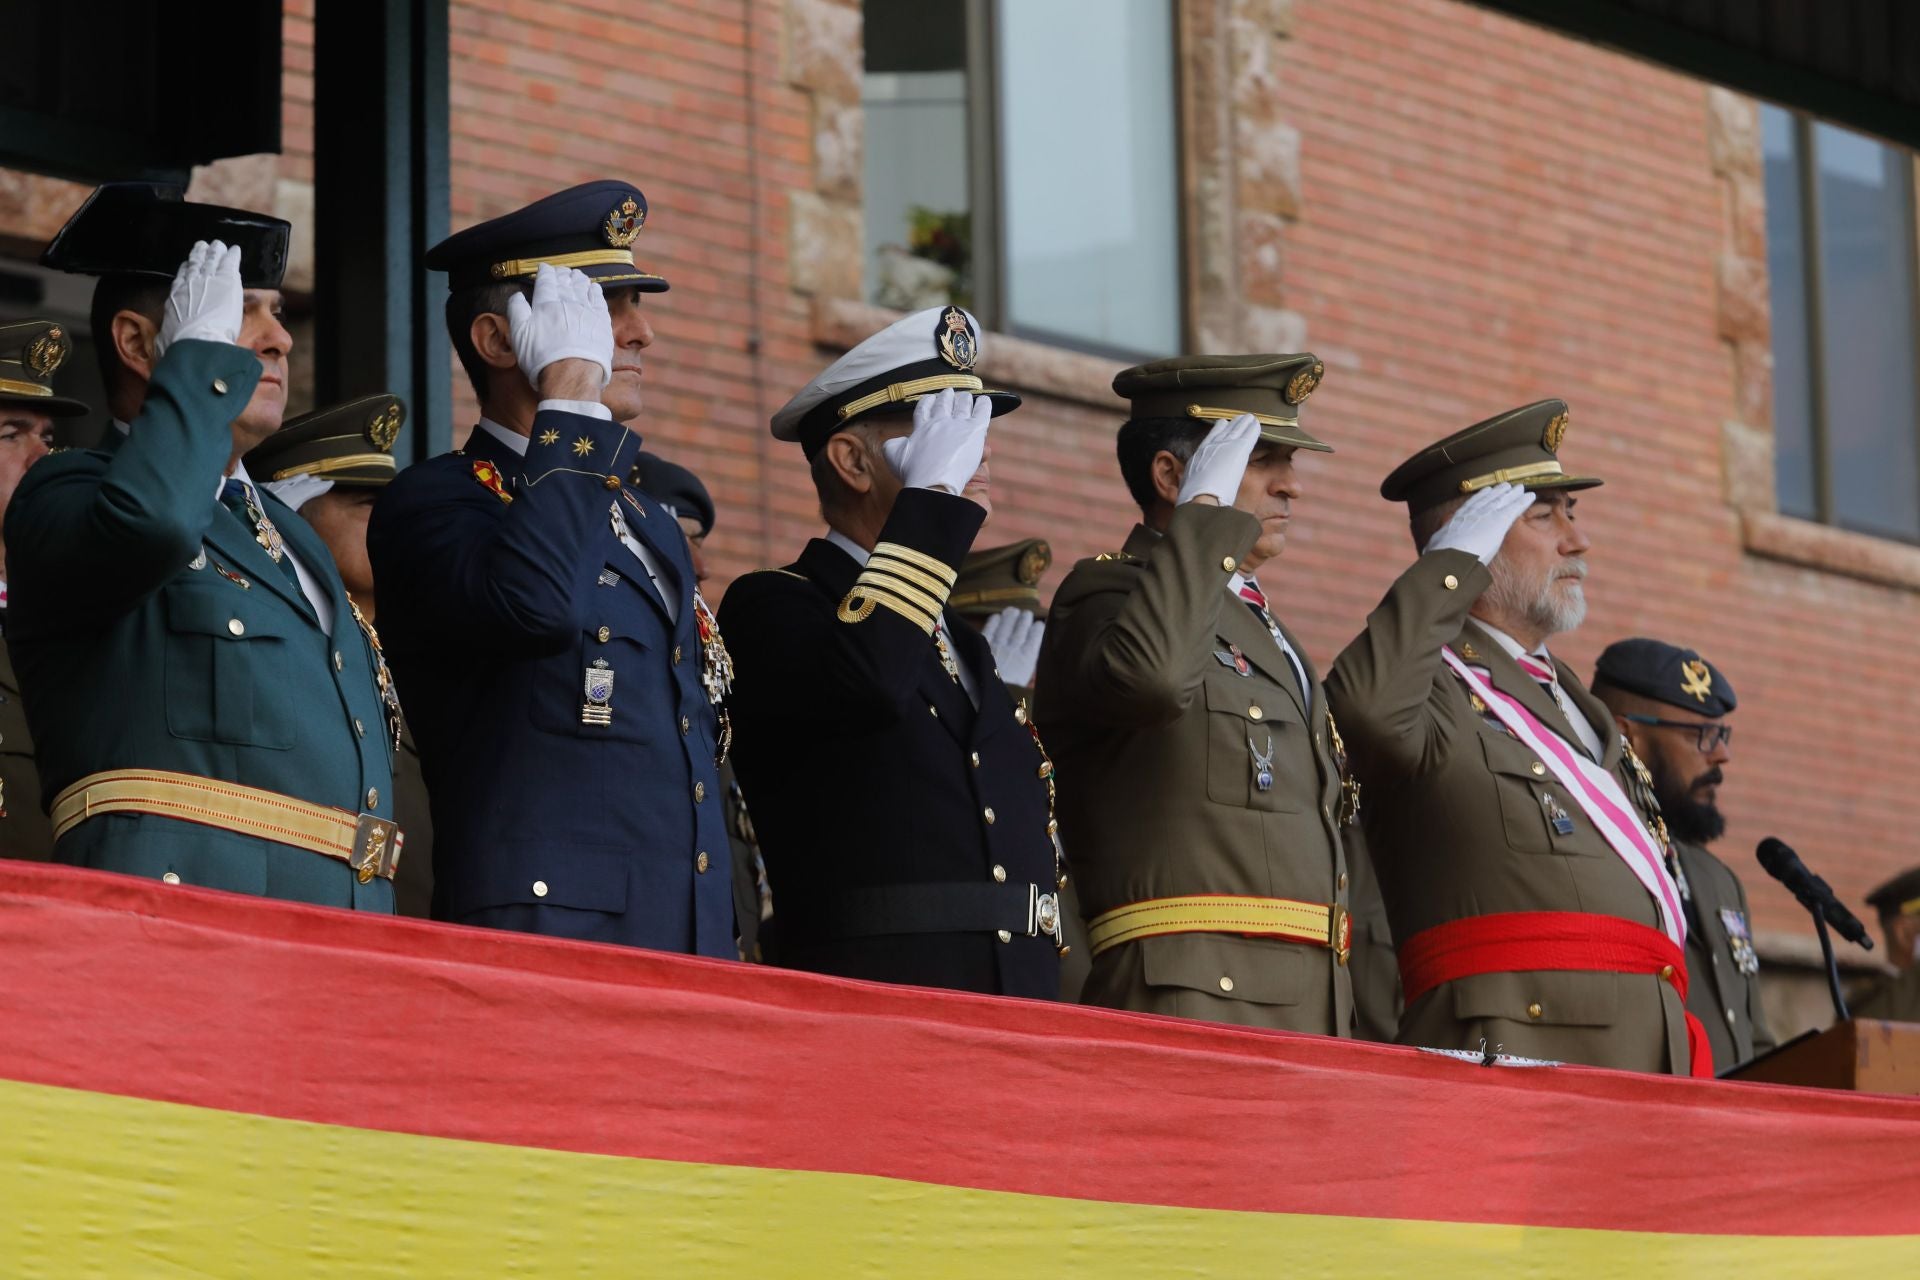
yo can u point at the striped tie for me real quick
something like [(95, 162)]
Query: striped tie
[(1540, 667), (1251, 593)]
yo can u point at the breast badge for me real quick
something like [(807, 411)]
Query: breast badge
[(1557, 817), (1740, 940), (1262, 764), (598, 708), (1232, 657)]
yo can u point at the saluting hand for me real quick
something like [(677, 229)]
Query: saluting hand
[(1014, 635), (949, 437), (566, 322), (1219, 463), (207, 301), (1481, 523)]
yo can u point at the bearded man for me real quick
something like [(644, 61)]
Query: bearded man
[(1516, 839), (1672, 705)]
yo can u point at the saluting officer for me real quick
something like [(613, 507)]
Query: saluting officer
[(1672, 705), (1202, 797), (330, 465), (1526, 881), (30, 352), (998, 593), (207, 712), (560, 670), (901, 800)]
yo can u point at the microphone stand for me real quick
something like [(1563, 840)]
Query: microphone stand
[(1833, 966)]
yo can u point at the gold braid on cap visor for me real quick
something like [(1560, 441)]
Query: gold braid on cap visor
[(1507, 475), (900, 392)]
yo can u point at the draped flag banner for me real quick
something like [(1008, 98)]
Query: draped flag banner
[(197, 1084)]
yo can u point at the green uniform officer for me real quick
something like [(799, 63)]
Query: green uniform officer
[(330, 465), (30, 353), (1897, 999), (1531, 905), (205, 709), (1201, 792), (1672, 705)]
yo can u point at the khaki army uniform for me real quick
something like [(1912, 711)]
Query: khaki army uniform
[(24, 829), (1461, 822), (1148, 713), (1723, 970)]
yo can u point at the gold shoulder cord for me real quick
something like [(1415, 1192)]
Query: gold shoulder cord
[(389, 696), (1648, 803), (1349, 785)]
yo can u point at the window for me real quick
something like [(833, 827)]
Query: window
[(1841, 265), (1022, 160)]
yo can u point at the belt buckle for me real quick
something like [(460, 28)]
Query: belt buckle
[(376, 847), (1340, 932), (1043, 917)]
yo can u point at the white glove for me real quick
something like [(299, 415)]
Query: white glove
[(1013, 634), (1219, 463), (207, 301), (949, 437), (297, 491), (1481, 524), (567, 321)]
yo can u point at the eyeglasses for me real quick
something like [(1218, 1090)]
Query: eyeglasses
[(1711, 734)]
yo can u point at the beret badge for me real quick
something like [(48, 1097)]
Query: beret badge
[(1696, 679)]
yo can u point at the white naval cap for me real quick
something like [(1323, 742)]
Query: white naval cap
[(914, 356)]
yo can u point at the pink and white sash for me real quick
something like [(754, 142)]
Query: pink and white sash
[(1594, 789)]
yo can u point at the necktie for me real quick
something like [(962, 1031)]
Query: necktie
[(1257, 600), (1540, 667), (236, 497)]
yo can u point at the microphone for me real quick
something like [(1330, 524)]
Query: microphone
[(1815, 894)]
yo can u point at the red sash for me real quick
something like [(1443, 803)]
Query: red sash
[(1529, 941)]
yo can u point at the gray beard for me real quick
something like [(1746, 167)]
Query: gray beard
[(1533, 599)]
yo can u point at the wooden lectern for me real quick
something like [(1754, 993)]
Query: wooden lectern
[(1862, 1054)]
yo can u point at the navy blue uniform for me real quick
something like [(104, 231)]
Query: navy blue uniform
[(902, 828), (494, 608)]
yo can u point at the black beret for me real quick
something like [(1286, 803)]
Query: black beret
[(673, 487), (148, 228), (1666, 673)]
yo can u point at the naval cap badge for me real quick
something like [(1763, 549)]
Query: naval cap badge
[(959, 345)]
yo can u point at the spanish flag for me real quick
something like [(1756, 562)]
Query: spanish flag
[(197, 1084)]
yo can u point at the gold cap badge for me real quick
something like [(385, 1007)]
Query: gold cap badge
[(1555, 433), (1301, 385), (1697, 679), (47, 352), (958, 345), (624, 223), (383, 428)]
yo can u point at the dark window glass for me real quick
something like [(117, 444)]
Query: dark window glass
[(1794, 480)]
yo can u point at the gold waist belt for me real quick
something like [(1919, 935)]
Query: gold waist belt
[(1317, 923), (366, 842)]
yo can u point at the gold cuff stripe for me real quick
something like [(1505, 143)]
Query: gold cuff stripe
[(1507, 475), (1225, 415), (903, 391), (227, 806), (326, 466), (1311, 922), (881, 595), (902, 587), (585, 258), (933, 586), (919, 559)]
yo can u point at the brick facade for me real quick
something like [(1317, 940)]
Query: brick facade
[(1457, 212)]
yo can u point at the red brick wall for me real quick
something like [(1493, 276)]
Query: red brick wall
[(1488, 214)]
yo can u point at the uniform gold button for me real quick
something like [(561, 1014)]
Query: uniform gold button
[(1450, 582), (359, 730), (1228, 564), (975, 757), (373, 797), (1343, 880), (999, 874), (699, 792), (337, 664), (1254, 712), (172, 877), (676, 655), (989, 813), (539, 888), (236, 626), (1729, 1017), (612, 482), (1539, 770), (219, 386), (604, 634), (1226, 983), (686, 725), (1534, 1011), (1666, 971), (1005, 936), (702, 862)]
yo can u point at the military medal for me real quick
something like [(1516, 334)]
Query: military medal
[(1262, 764), (389, 696), (608, 578), (1349, 811), (1557, 817), (1740, 940), (947, 663), (233, 577), (597, 709), (264, 531), (716, 670)]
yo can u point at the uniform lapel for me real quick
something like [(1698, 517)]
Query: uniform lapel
[(650, 529), (1306, 664), (313, 553), (1506, 676), (1239, 626), (1597, 715), (236, 542)]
